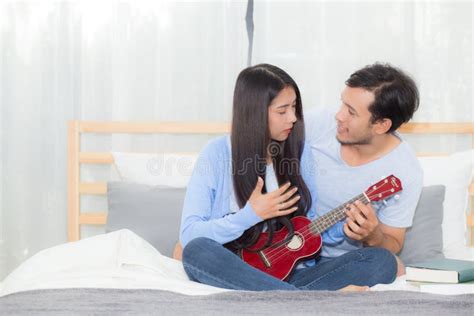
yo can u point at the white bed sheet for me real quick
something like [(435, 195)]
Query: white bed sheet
[(119, 259), (122, 260)]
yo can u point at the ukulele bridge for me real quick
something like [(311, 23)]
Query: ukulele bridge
[(266, 262)]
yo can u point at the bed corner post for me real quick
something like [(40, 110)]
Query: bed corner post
[(73, 204)]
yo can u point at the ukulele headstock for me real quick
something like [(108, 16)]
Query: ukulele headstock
[(384, 188)]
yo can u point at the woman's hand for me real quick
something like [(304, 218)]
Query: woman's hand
[(273, 204)]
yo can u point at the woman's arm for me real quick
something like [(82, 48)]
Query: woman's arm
[(197, 219)]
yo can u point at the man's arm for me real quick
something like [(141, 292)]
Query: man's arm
[(362, 224), (390, 238)]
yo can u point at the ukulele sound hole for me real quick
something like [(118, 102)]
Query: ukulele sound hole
[(295, 243)]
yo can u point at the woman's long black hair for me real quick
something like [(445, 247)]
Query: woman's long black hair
[(255, 89)]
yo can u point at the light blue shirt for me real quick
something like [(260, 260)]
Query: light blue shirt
[(207, 205), (337, 182)]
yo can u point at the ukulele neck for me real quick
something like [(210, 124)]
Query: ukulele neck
[(329, 219)]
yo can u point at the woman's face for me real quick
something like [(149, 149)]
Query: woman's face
[(282, 114)]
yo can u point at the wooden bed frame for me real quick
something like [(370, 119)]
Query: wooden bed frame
[(76, 158)]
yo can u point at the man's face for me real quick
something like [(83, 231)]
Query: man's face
[(353, 118)]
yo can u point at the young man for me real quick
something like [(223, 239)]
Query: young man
[(356, 146)]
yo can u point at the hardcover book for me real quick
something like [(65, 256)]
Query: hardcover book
[(441, 271)]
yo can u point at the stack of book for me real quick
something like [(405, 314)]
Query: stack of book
[(443, 276)]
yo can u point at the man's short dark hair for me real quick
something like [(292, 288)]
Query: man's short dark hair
[(396, 94)]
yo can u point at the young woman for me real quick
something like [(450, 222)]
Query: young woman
[(255, 180)]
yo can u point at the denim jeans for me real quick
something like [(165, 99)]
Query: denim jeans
[(208, 262)]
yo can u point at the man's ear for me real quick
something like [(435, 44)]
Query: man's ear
[(382, 126)]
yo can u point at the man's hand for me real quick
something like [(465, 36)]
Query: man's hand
[(362, 223)]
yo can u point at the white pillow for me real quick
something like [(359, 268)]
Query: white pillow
[(459, 253), (172, 170), (455, 172)]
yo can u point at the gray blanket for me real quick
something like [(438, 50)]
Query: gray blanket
[(116, 301)]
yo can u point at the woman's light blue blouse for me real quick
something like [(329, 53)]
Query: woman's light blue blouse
[(206, 210)]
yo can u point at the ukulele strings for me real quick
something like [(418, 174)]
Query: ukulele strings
[(277, 253), (273, 253), (307, 229)]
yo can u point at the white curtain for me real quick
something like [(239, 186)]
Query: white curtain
[(100, 60), (320, 43), (178, 60)]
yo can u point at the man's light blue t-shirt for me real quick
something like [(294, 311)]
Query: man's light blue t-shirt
[(337, 182)]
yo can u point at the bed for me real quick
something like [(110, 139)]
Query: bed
[(123, 271)]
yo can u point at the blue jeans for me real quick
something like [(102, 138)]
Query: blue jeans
[(208, 262)]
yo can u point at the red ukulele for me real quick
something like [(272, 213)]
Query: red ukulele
[(279, 259)]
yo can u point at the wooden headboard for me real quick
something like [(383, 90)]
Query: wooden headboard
[(76, 158)]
